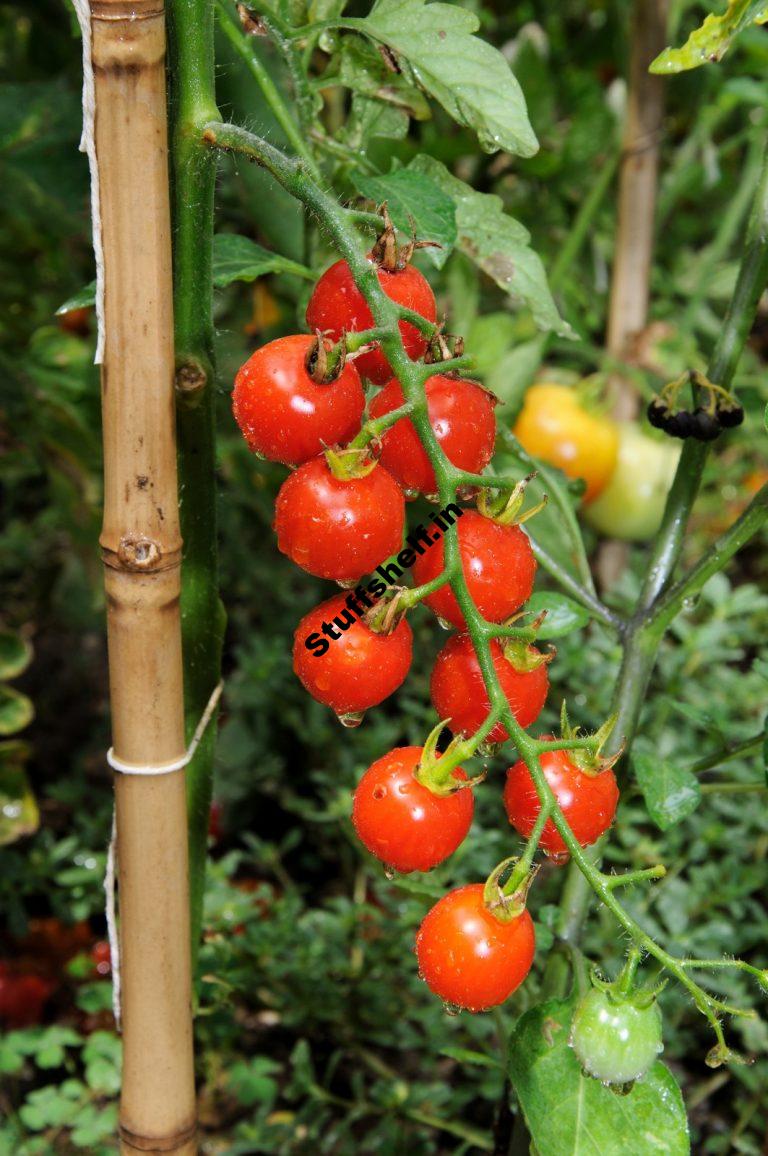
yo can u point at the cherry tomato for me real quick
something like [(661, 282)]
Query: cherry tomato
[(632, 504), (402, 822), (461, 415), (77, 321), (498, 565), (22, 997), (470, 958), (215, 816), (459, 694), (553, 425), (337, 306), (616, 1040), (283, 413), (344, 664), (339, 529), (588, 802)]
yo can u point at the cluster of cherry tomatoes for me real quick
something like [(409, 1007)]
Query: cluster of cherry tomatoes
[(340, 515)]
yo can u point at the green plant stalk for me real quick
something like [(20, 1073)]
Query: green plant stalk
[(244, 47), (193, 103), (386, 315)]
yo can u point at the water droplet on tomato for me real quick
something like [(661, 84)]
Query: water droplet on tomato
[(351, 718)]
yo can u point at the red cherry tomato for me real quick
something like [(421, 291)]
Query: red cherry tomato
[(588, 801), (347, 666), (337, 305), (470, 958), (461, 415), (498, 565), (402, 822), (22, 997), (283, 413), (339, 529), (215, 816), (459, 694)]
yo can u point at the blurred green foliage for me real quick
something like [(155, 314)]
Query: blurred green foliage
[(315, 1034)]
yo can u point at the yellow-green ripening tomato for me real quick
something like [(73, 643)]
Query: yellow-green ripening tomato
[(631, 505)]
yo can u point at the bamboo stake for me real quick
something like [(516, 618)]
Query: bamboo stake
[(637, 192), (631, 279), (141, 549)]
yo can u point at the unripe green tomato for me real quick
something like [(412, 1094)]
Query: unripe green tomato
[(631, 505), (615, 1041)]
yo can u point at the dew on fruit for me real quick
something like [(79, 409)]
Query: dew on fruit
[(557, 858), (389, 872), (452, 1009), (351, 718), (379, 792), (346, 583), (444, 623)]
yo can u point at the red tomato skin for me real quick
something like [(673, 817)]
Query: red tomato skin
[(458, 691), (461, 415), (283, 414), (468, 957), (339, 529), (22, 997), (401, 821), (588, 802), (337, 305), (498, 565), (360, 668)]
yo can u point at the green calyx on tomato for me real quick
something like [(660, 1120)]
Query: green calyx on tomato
[(632, 504), (505, 507), (506, 901), (616, 1035), (590, 759), (436, 771)]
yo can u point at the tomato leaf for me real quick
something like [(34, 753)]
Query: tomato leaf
[(671, 792), (414, 200), (563, 614), (470, 78), (569, 1113), (238, 258), (709, 43), (497, 244)]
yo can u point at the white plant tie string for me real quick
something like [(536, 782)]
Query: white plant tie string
[(88, 146), (109, 874)]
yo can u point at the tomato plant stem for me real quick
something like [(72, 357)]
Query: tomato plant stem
[(194, 179)]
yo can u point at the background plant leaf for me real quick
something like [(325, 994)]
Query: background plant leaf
[(470, 78), (709, 43), (497, 244), (671, 792)]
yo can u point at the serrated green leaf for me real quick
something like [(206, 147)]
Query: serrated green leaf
[(238, 258), (563, 614), (497, 244), (414, 200), (80, 300), (709, 43), (671, 793), (572, 1115), (369, 118), (15, 654), (16, 711), (470, 78)]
